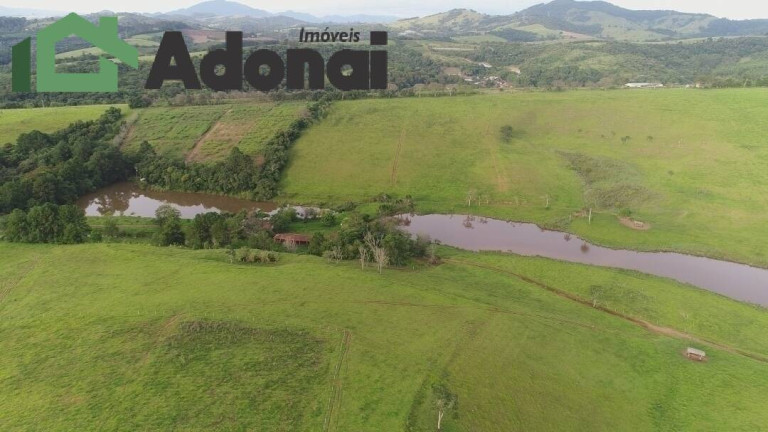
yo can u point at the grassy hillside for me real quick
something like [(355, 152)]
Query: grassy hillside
[(209, 132), (126, 340), (16, 121), (690, 163)]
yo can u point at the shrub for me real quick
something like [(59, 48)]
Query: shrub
[(328, 219)]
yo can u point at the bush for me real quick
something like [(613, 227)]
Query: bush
[(111, 230), (281, 221), (328, 219), (251, 256)]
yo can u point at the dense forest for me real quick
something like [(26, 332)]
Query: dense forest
[(59, 167)]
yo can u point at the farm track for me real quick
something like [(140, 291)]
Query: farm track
[(664, 331), (193, 155), (396, 162), (334, 402), (125, 136)]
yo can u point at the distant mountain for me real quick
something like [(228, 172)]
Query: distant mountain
[(221, 8), (372, 19), (226, 8), (339, 19), (456, 20), (29, 13), (571, 19)]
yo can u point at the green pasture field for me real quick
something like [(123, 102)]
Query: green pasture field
[(691, 164), (135, 337), (17, 121), (209, 132)]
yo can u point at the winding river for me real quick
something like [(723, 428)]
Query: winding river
[(737, 281)]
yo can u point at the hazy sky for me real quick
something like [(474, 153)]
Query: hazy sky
[(404, 8)]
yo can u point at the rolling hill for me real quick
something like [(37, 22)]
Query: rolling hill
[(593, 19), (613, 151), (221, 8)]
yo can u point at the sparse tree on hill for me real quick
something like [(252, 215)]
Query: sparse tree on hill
[(445, 401), (334, 254), (363, 251), (381, 257)]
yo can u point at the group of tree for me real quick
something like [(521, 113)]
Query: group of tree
[(59, 167), (360, 237), (47, 223), (370, 240)]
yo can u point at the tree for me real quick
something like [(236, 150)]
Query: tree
[(281, 221), (168, 221), (43, 223), (507, 133), (363, 251), (444, 401), (16, 229), (316, 244), (74, 226), (381, 257)]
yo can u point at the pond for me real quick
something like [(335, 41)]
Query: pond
[(737, 281), (127, 199)]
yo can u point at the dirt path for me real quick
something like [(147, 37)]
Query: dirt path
[(334, 402), (393, 175), (125, 135), (194, 154), (665, 331)]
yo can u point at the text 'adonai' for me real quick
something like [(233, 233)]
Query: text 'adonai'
[(264, 69)]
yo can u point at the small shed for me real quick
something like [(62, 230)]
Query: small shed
[(696, 354), (295, 238)]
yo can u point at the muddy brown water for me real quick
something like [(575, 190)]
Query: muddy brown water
[(127, 199), (737, 281)]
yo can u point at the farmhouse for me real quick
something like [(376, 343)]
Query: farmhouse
[(295, 238), (696, 354)]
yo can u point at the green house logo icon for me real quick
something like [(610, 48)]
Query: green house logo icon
[(103, 36)]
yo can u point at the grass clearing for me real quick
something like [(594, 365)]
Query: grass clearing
[(14, 122), (170, 338), (690, 163)]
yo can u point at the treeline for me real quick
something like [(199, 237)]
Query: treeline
[(59, 167), (720, 62), (47, 223), (238, 174)]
